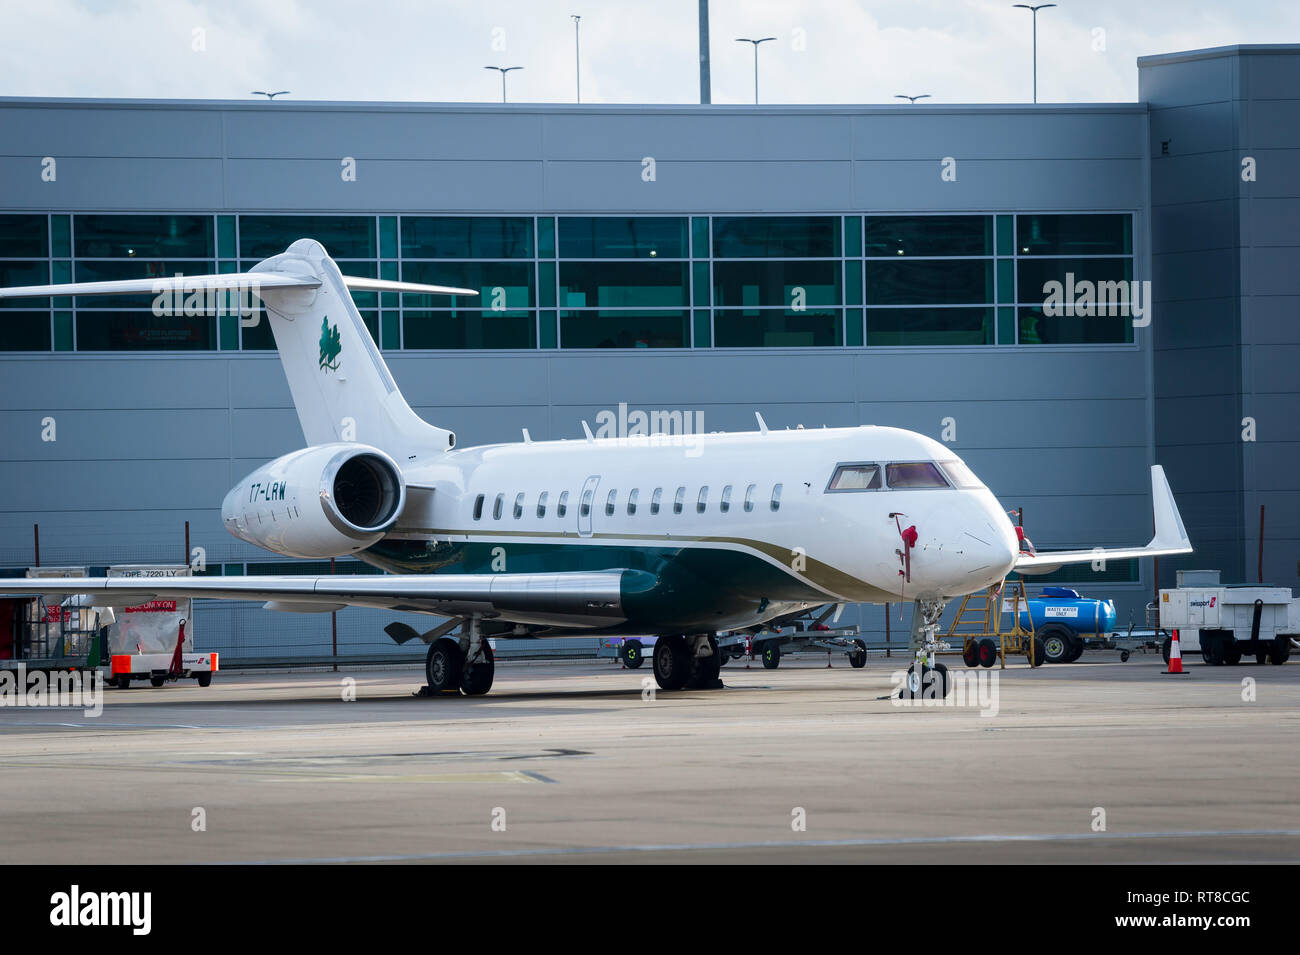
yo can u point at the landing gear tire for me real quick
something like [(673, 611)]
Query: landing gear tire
[(704, 670), (204, 679), (988, 653), (672, 662), (931, 684), (632, 654), (443, 666), (1056, 644), (970, 654), (476, 679), (771, 656), (858, 659)]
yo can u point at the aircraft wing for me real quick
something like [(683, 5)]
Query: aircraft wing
[(578, 599), (1170, 537)]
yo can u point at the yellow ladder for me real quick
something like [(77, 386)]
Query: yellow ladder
[(980, 617)]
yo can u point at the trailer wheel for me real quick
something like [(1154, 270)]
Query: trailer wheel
[(1123, 656), (1212, 650), (970, 654), (204, 678), (1056, 643), (1232, 654), (156, 680), (987, 653), (632, 653), (859, 659), (771, 655), (122, 682), (1077, 646), (1040, 654), (1280, 652), (1261, 657), (1164, 649)]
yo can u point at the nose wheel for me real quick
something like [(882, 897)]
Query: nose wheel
[(926, 677)]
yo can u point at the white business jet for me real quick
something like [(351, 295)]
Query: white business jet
[(675, 535)]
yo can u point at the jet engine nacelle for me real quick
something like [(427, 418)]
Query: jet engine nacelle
[(330, 500)]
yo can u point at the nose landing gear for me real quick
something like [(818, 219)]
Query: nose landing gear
[(926, 677)]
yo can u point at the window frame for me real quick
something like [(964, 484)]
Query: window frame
[(841, 465)]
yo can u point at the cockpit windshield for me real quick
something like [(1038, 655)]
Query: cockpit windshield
[(915, 474), (959, 474)]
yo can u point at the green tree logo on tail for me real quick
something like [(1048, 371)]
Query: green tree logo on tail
[(330, 345)]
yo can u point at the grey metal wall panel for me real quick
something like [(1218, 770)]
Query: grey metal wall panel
[(983, 184)]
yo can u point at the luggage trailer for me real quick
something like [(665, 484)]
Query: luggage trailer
[(1226, 623)]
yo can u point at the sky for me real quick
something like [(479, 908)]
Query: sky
[(632, 51)]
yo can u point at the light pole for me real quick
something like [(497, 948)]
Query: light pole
[(743, 39), (577, 55), (503, 71), (1034, 10), (269, 96), (911, 99)]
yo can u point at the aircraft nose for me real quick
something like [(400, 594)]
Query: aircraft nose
[(989, 547)]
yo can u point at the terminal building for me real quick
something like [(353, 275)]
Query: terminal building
[(823, 265)]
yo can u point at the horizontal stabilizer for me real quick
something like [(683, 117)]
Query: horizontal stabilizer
[(1170, 537), (232, 281)]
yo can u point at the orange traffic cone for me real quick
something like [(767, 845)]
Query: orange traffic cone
[(1175, 655)]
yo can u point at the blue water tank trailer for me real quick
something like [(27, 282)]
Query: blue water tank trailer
[(1063, 619)]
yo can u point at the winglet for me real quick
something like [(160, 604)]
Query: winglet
[(762, 425), (1170, 532)]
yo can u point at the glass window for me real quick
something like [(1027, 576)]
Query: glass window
[(148, 236), (959, 475), (541, 504), (501, 286), (14, 274), (89, 271), (654, 500), (1039, 328), (584, 509), (776, 497), (546, 237), (344, 237), (778, 328), (1084, 234), (702, 502), (776, 236), (519, 505), (929, 326), (929, 235), (679, 500), (617, 237), (780, 284), (700, 237), (562, 508), (467, 237), (24, 237), (915, 474), (623, 284), (126, 330), (749, 497), (468, 328), (855, 477), (631, 502), (1082, 282), (725, 504), (497, 506), (619, 328), (609, 503), (930, 282), (478, 507), (24, 330)]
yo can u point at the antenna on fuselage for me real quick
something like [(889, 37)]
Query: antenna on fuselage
[(528, 438), (762, 425)]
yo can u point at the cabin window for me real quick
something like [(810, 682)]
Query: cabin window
[(679, 500), (609, 502), (654, 500), (631, 502), (855, 477), (776, 497), (497, 505), (562, 506), (702, 502), (541, 504), (915, 474), (478, 507), (749, 497), (725, 504), (584, 509), (519, 506)]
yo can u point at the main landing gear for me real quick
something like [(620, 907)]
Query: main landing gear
[(459, 665), (687, 663)]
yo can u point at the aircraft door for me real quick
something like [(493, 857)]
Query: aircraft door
[(587, 505)]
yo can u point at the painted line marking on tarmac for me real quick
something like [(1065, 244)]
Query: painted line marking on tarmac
[(813, 843)]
